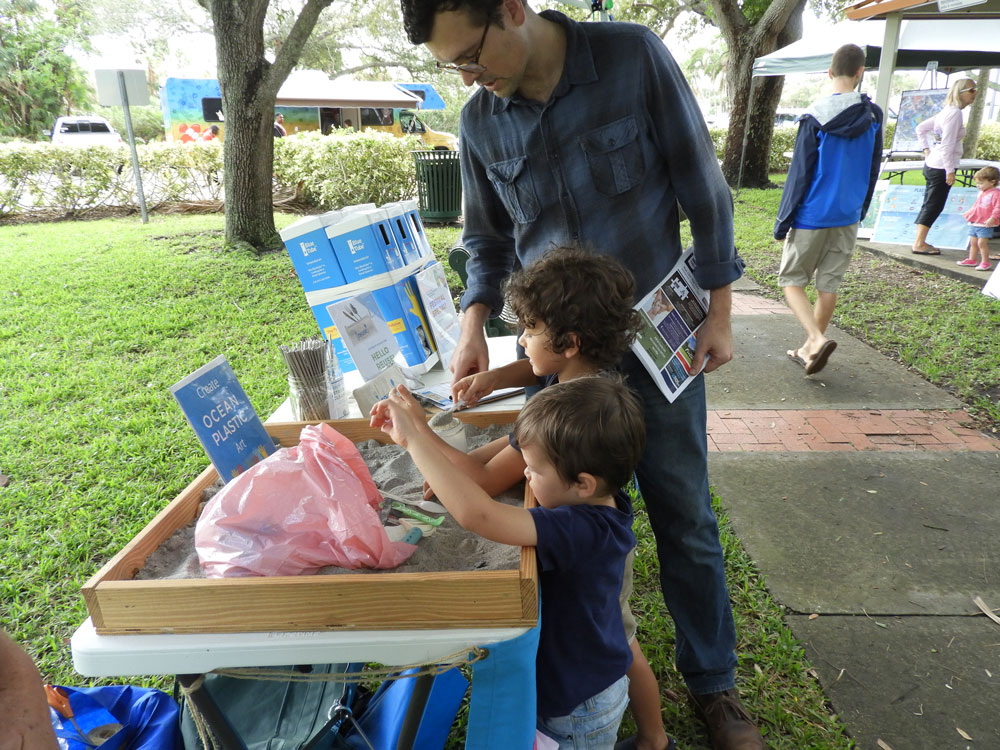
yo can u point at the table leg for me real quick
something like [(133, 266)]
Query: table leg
[(414, 711)]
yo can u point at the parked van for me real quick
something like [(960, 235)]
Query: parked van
[(402, 122), (84, 130)]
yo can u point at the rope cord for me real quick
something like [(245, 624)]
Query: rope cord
[(457, 659)]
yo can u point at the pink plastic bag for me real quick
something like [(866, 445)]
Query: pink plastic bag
[(296, 511)]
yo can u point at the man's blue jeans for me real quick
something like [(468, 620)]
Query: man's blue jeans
[(673, 479)]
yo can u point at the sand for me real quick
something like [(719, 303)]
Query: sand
[(448, 548)]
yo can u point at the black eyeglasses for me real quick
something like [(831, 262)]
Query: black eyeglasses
[(473, 65)]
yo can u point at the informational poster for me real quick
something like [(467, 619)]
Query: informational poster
[(900, 206), (217, 408), (867, 226), (914, 108)]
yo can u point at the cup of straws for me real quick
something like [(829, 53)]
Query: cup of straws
[(315, 381)]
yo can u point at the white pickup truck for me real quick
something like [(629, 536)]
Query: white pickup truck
[(84, 130)]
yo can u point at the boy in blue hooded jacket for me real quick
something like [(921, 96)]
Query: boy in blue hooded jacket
[(836, 162)]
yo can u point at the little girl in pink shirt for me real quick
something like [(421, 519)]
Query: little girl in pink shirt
[(982, 217)]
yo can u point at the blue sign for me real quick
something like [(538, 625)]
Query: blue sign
[(216, 406)]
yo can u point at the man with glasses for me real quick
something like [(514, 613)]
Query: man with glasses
[(588, 134)]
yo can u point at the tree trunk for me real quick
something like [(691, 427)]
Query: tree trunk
[(976, 109), (745, 45), (248, 103), (766, 92)]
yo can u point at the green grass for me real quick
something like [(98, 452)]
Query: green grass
[(101, 317)]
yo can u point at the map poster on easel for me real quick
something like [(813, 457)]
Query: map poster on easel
[(899, 210), (914, 108)]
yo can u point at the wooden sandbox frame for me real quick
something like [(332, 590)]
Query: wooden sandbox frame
[(117, 604)]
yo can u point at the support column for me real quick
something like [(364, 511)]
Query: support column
[(887, 61)]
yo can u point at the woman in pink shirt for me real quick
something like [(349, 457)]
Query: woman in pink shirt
[(941, 161)]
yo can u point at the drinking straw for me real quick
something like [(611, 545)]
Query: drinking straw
[(307, 363)]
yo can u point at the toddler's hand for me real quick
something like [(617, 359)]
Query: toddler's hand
[(991, 222), (474, 387)]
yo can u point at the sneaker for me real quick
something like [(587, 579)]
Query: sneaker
[(984, 266), (968, 262)]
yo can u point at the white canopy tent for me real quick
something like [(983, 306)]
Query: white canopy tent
[(956, 44), (953, 43)]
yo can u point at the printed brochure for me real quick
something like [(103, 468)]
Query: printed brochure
[(671, 315)]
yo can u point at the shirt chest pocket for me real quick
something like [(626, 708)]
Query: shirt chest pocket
[(512, 181), (614, 155)]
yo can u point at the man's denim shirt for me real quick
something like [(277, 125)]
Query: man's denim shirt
[(603, 163)]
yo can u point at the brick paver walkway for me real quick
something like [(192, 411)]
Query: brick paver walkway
[(845, 430), (838, 430), (751, 304)]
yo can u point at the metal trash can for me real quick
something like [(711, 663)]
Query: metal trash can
[(439, 185)]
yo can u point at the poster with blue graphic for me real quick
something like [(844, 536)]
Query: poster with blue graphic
[(899, 209), (217, 408)]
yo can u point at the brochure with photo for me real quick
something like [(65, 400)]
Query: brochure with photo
[(671, 315)]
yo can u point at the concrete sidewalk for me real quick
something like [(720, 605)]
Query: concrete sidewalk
[(870, 504), (944, 264)]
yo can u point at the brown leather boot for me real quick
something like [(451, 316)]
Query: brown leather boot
[(729, 724)]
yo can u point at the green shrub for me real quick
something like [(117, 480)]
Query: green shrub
[(783, 139), (147, 121), (718, 140), (333, 171), (989, 142), (342, 169), (888, 131)]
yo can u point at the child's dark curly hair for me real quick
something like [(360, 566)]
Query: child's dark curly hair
[(571, 291)]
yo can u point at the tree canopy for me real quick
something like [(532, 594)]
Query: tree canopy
[(39, 80)]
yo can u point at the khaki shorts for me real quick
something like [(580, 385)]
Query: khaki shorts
[(623, 598), (823, 252)]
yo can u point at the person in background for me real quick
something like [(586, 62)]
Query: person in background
[(211, 134), (982, 217), (836, 162), (581, 441), (279, 127), (24, 712), (941, 159), (588, 133), (348, 124)]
